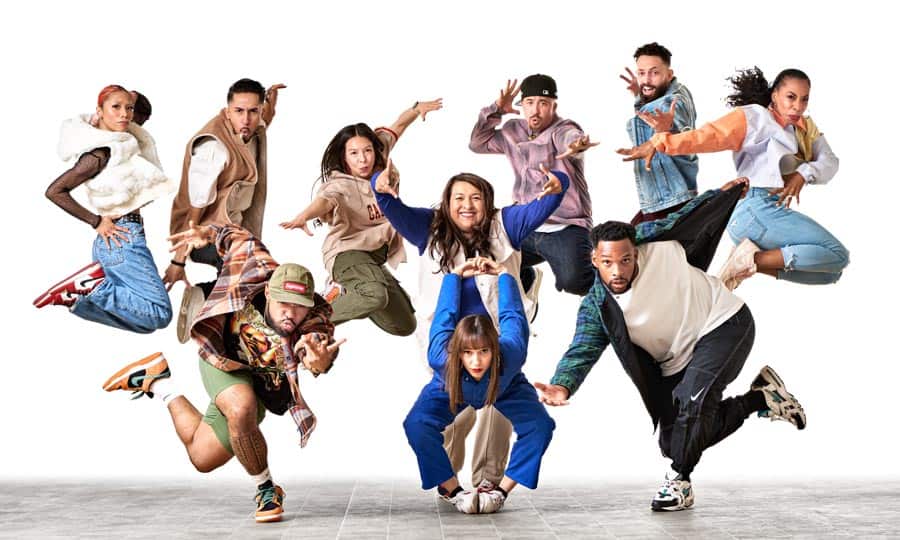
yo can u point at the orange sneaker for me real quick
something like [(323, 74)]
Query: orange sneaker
[(139, 376), (269, 503)]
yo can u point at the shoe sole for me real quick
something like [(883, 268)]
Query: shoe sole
[(125, 373), (47, 295), (536, 287), (183, 326), (269, 519)]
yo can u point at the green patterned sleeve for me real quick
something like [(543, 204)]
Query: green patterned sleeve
[(588, 344)]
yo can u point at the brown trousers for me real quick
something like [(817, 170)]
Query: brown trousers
[(491, 443)]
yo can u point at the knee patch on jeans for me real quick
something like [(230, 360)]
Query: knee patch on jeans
[(251, 451)]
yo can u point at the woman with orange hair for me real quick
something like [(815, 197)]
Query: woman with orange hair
[(115, 160)]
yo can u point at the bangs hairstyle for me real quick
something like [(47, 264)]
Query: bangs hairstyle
[(333, 158), (446, 238), (472, 332)]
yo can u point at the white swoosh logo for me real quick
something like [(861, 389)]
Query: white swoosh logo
[(695, 396)]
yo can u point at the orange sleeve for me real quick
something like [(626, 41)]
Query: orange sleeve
[(726, 133)]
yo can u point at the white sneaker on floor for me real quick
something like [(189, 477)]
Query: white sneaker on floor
[(739, 265), (674, 494), (490, 501), (782, 404), (464, 501), (192, 301)]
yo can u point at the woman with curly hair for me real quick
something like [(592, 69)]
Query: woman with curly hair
[(780, 151)]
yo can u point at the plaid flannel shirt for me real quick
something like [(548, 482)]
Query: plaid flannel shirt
[(246, 268)]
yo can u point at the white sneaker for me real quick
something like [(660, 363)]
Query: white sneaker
[(192, 301), (782, 404), (739, 265), (675, 494), (532, 293), (490, 501), (464, 501)]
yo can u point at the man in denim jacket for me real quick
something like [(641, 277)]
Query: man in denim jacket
[(661, 104)]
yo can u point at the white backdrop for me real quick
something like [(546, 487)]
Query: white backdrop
[(366, 62)]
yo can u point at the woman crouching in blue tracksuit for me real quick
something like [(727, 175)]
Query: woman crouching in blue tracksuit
[(474, 366)]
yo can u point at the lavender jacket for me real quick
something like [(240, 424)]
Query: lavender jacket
[(527, 155)]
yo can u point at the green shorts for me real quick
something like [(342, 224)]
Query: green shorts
[(215, 380)]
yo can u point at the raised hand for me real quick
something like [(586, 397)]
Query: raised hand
[(632, 82), (660, 121), (552, 394), (645, 151), (298, 222), (387, 180), (507, 96), (578, 146), (793, 183), (108, 230), (318, 353), (425, 107), (272, 93), (195, 237), (552, 186)]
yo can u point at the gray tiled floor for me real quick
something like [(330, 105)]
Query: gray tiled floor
[(222, 509)]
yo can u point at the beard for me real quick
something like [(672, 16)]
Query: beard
[(658, 91), (278, 330)]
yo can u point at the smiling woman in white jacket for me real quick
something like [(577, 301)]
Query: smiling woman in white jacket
[(116, 162)]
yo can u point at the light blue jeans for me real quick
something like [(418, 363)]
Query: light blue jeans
[(812, 255), (132, 297)]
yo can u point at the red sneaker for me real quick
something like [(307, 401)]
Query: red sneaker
[(67, 291)]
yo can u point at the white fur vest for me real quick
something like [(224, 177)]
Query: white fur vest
[(132, 177)]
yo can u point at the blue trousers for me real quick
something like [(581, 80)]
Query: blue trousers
[(812, 255), (519, 403), (132, 297), (568, 252)]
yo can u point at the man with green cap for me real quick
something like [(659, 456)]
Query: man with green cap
[(261, 323)]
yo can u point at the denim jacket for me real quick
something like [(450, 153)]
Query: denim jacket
[(672, 179)]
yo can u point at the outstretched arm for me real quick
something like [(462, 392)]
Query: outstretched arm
[(319, 207), (411, 223), (726, 133), (268, 108), (408, 116), (588, 344), (520, 220), (485, 137)]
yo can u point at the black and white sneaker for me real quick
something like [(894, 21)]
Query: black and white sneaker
[(782, 404), (465, 501), (675, 494)]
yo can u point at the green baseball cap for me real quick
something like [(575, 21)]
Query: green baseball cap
[(293, 284)]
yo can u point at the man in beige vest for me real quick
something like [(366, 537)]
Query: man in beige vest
[(223, 180)]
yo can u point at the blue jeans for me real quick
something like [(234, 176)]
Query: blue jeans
[(568, 252), (812, 255), (132, 297), (519, 403)]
